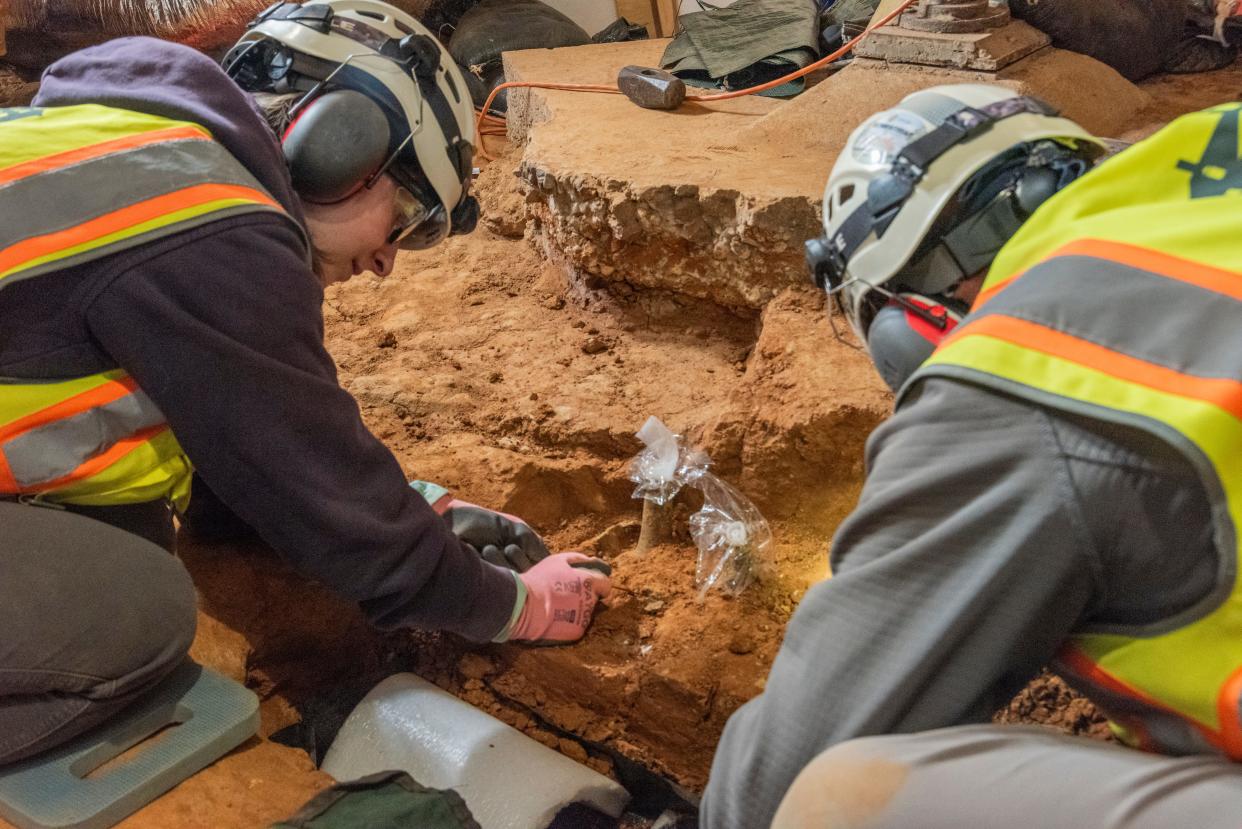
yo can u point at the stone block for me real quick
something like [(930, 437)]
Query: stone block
[(989, 51)]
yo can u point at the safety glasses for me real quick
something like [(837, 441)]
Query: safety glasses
[(408, 213)]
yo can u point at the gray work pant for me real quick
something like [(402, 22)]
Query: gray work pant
[(1008, 777), (91, 616)]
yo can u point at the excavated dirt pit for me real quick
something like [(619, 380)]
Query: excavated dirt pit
[(486, 371)]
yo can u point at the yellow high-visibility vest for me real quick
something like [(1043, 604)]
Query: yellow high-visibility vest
[(79, 183), (1121, 300)]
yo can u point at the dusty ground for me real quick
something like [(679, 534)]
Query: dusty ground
[(485, 369)]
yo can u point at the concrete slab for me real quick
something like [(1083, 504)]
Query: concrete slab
[(988, 51), (714, 200)]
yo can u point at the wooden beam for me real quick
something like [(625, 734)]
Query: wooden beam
[(884, 8), (643, 12)]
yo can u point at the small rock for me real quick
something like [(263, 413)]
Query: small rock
[(592, 330), (534, 395), (741, 643), (495, 377), (554, 303), (476, 301), (474, 666), (595, 345), (456, 365), (654, 607), (579, 324), (387, 340)]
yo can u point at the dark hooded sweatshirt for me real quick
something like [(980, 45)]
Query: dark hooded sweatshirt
[(222, 327)]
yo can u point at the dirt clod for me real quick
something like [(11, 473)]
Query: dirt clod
[(475, 666), (573, 750), (595, 345)]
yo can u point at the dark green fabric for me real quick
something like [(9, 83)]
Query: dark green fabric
[(852, 13), (745, 44), (387, 800)]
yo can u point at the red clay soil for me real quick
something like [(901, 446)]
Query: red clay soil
[(526, 394)]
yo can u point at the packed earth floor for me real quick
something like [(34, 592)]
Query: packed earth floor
[(488, 369)]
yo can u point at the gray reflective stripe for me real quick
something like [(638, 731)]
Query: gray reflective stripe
[(1154, 318), (141, 239), (53, 451), (63, 198)]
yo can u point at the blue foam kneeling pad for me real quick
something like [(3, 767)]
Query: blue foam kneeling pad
[(202, 716)]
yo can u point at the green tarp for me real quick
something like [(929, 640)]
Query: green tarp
[(387, 800), (745, 44)]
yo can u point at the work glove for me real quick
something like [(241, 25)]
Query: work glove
[(499, 538), (556, 599)]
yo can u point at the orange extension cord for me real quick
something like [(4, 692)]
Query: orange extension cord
[(495, 124)]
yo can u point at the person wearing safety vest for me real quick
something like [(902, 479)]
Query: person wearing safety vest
[(163, 252), (1060, 485)]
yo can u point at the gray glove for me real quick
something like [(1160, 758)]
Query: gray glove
[(502, 539), (499, 538)]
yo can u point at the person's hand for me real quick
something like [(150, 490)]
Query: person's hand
[(499, 538), (558, 597), (502, 539)]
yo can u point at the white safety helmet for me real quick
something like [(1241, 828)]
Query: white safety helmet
[(925, 194), (380, 94)]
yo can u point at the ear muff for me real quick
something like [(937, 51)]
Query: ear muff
[(902, 336), (1036, 186), (335, 144)]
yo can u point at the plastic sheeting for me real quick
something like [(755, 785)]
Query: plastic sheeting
[(508, 780)]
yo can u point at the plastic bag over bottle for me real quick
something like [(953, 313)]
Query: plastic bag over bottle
[(730, 533)]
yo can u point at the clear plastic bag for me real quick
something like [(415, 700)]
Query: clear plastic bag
[(732, 537), (665, 466), (729, 531)]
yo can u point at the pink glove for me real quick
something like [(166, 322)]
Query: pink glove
[(561, 592)]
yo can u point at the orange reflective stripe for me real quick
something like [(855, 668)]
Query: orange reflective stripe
[(8, 483), (1081, 664), (118, 220), (102, 461), (1230, 717), (89, 399), (1207, 277), (1224, 394), (51, 162)]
